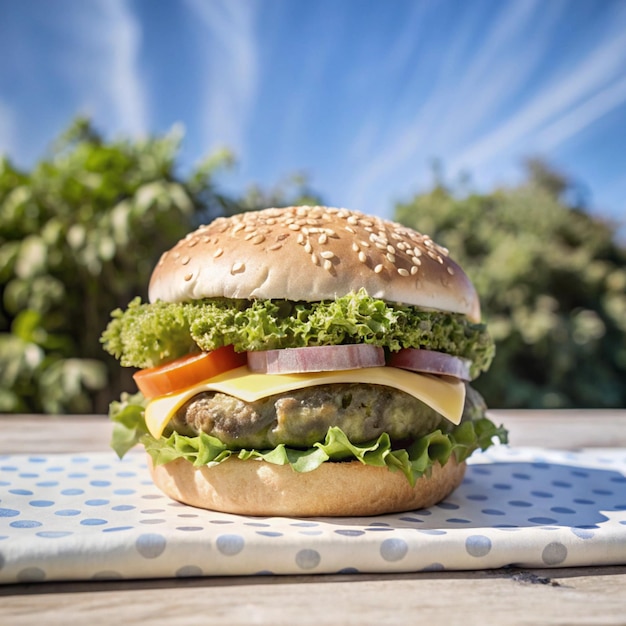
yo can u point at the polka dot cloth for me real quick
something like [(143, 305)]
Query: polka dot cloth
[(92, 516)]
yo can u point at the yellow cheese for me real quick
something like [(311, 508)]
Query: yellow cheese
[(447, 397)]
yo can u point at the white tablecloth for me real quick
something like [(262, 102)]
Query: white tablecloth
[(91, 516)]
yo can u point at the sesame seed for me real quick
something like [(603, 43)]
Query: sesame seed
[(258, 239), (450, 270), (192, 243), (294, 226), (414, 270), (238, 227), (378, 269), (416, 261), (327, 254), (276, 246), (218, 253), (300, 239), (237, 268), (365, 244), (355, 247), (188, 277), (315, 260), (403, 272), (328, 265), (308, 247), (322, 239), (391, 257), (185, 260), (176, 255), (362, 257)]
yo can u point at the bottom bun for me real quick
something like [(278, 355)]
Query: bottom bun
[(334, 489)]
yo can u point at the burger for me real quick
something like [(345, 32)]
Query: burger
[(304, 361)]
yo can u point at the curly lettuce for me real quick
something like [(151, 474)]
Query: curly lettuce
[(146, 335), (413, 461)]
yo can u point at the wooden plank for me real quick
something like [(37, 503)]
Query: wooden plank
[(582, 595)]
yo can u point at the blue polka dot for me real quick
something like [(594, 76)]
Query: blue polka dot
[(583, 501), (561, 483), (29, 475), (123, 507), (25, 523), (8, 512), (448, 506), (346, 571), (541, 465), (308, 559), (269, 533), (96, 502), (37, 459), (21, 492), (478, 497), (126, 474), (67, 512), (188, 571), (580, 473), (350, 533), (48, 483), (150, 545), (602, 492), (542, 520), (230, 545), (431, 531), (379, 529), (618, 479), (542, 494), (521, 476), (562, 509), (393, 549), (458, 520), (554, 554), (520, 503), (189, 528), (72, 492), (93, 521), (8, 468), (41, 503), (124, 492), (116, 529), (502, 486), (80, 459), (77, 475), (100, 483), (478, 545), (414, 520), (493, 512), (54, 534), (482, 470), (433, 567), (152, 520), (221, 521)]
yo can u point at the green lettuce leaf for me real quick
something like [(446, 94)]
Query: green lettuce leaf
[(201, 450), (145, 335)]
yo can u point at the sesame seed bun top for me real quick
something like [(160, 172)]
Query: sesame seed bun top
[(309, 254)]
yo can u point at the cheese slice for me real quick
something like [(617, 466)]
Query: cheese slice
[(447, 397)]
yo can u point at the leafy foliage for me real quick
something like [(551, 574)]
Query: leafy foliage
[(79, 237), (552, 281)]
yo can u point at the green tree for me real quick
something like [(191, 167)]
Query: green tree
[(79, 236), (552, 281)]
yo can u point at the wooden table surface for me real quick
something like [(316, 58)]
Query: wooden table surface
[(591, 595)]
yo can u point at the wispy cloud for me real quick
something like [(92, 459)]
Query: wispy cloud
[(104, 67), (227, 45), (582, 81), (488, 102)]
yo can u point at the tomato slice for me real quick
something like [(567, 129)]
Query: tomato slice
[(316, 359), (187, 371)]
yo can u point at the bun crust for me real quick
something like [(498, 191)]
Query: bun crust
[(312, 253), (333, 489)]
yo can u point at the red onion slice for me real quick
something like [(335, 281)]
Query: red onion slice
[(431, 362), (316, 359)]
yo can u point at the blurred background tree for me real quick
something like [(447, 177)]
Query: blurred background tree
[(81, 232), (552, 281), (79, 237)]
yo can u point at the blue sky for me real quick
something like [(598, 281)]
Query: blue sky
[(361, 95)]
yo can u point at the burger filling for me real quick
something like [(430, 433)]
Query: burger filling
[(301, 418)]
